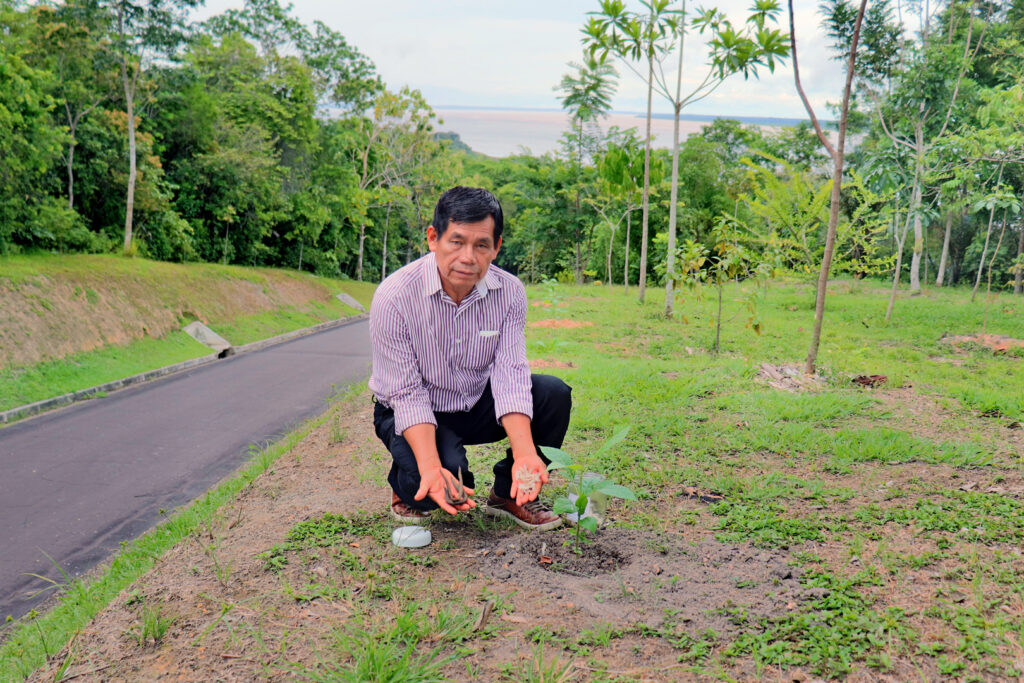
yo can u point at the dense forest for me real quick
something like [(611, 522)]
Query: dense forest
[(252, 138)]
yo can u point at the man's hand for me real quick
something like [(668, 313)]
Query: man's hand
[(529, 474), (434, 483)]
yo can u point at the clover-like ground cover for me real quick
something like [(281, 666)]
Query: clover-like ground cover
[(837, 532)]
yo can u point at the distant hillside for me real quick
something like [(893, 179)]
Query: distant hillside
[(55, 306)]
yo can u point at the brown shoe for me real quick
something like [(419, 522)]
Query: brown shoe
[(404, 513), (534, 515)]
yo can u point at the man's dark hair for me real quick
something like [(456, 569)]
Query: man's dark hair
[(467, 205)]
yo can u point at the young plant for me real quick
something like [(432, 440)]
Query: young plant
[(584, 485)]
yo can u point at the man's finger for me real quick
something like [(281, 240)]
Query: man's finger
[(513, 492), (421, 493)]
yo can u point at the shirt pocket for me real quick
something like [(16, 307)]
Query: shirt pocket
[(481, 349)]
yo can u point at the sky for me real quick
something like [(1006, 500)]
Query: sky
[(513, 54)]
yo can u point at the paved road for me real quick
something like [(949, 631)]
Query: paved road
[(76, 482)]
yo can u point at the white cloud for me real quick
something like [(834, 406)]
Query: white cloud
[(512, 53)]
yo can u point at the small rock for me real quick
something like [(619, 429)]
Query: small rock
[(781, 571), (503, 574), (499, 552), (797, 676)]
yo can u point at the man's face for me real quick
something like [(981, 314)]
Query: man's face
[(463, 254)]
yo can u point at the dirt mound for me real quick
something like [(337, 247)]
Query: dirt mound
[(80, 303), (565, 324), (996, 343)]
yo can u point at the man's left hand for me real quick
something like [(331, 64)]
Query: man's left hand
[(529, 474)]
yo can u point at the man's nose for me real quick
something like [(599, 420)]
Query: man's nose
[(466, 253)]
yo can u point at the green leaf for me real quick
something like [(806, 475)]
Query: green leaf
[(581, 504), (564, 506), (615, 439), (588, 523), (557, 456), (615, 490)]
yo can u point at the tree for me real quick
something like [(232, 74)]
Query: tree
[(144, 30), (636, 37), (838, 155), (587, 96)]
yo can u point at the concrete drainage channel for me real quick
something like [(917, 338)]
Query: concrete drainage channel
[(200, 333)]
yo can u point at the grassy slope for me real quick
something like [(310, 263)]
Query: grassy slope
[(873, 497), (202, 290)]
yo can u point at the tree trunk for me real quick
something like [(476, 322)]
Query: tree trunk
[(900, 241), (384, 251), (647, 180), (129, 98), (359, 261), (71, 172), (673, 195), (301, 245), (988, 235), (988, 285), (611, 243), (837, 179), (576, 222), (625, 268), (1018, 276), (945, 250), (915, 206)]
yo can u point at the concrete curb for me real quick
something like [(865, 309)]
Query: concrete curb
[(38, 407)]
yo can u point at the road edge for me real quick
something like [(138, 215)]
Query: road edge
[(31, 409)]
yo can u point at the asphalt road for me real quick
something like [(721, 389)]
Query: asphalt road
[(76, 482)]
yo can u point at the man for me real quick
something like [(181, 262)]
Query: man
[(450, 370)]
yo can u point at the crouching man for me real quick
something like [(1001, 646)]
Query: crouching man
[(450, 370)]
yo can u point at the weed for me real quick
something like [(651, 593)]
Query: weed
[(152, 626)]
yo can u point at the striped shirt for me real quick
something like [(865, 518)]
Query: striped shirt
[(431, 355)]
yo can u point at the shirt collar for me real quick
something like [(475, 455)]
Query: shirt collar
[(432, 278)]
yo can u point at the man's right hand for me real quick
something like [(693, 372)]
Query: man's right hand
[(432, 485)]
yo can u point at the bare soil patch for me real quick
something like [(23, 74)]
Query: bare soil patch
[(542, 364), (996, 343), (560, 323)]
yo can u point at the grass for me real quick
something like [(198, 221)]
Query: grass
[(899, 510), (147, 291)]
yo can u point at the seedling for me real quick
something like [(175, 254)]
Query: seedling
[(584, 485)]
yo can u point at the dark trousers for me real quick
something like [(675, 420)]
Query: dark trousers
[(552, 401)]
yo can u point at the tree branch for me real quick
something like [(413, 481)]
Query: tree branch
[(800, 88)]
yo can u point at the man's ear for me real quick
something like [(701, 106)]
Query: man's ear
[(432, 238), (497, 246)]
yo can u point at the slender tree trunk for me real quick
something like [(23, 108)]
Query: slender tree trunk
[(576, 229), (301, 245), (673, 195), (945, 250), (625, 268), (718, 320), (359, 261), (900, 241), (915, 204), (611, 243), (71, 172), (1018, 276), (129, 98), (988, 286), (647, 180), (384, 251), (837, 176), (988, 235), (672, 211)]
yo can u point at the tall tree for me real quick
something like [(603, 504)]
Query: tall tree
[(587, 96), (144, 30), (837, 153), (643, 37)]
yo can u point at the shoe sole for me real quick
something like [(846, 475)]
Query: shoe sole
[(501, 512)]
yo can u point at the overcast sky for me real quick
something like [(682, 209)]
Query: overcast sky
[(512, 53)]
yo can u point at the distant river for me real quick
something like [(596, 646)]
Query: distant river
[(500, 133)]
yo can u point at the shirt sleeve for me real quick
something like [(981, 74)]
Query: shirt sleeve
[(396, 378), (510, 375)]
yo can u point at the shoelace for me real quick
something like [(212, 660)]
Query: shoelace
[(536, 506)]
